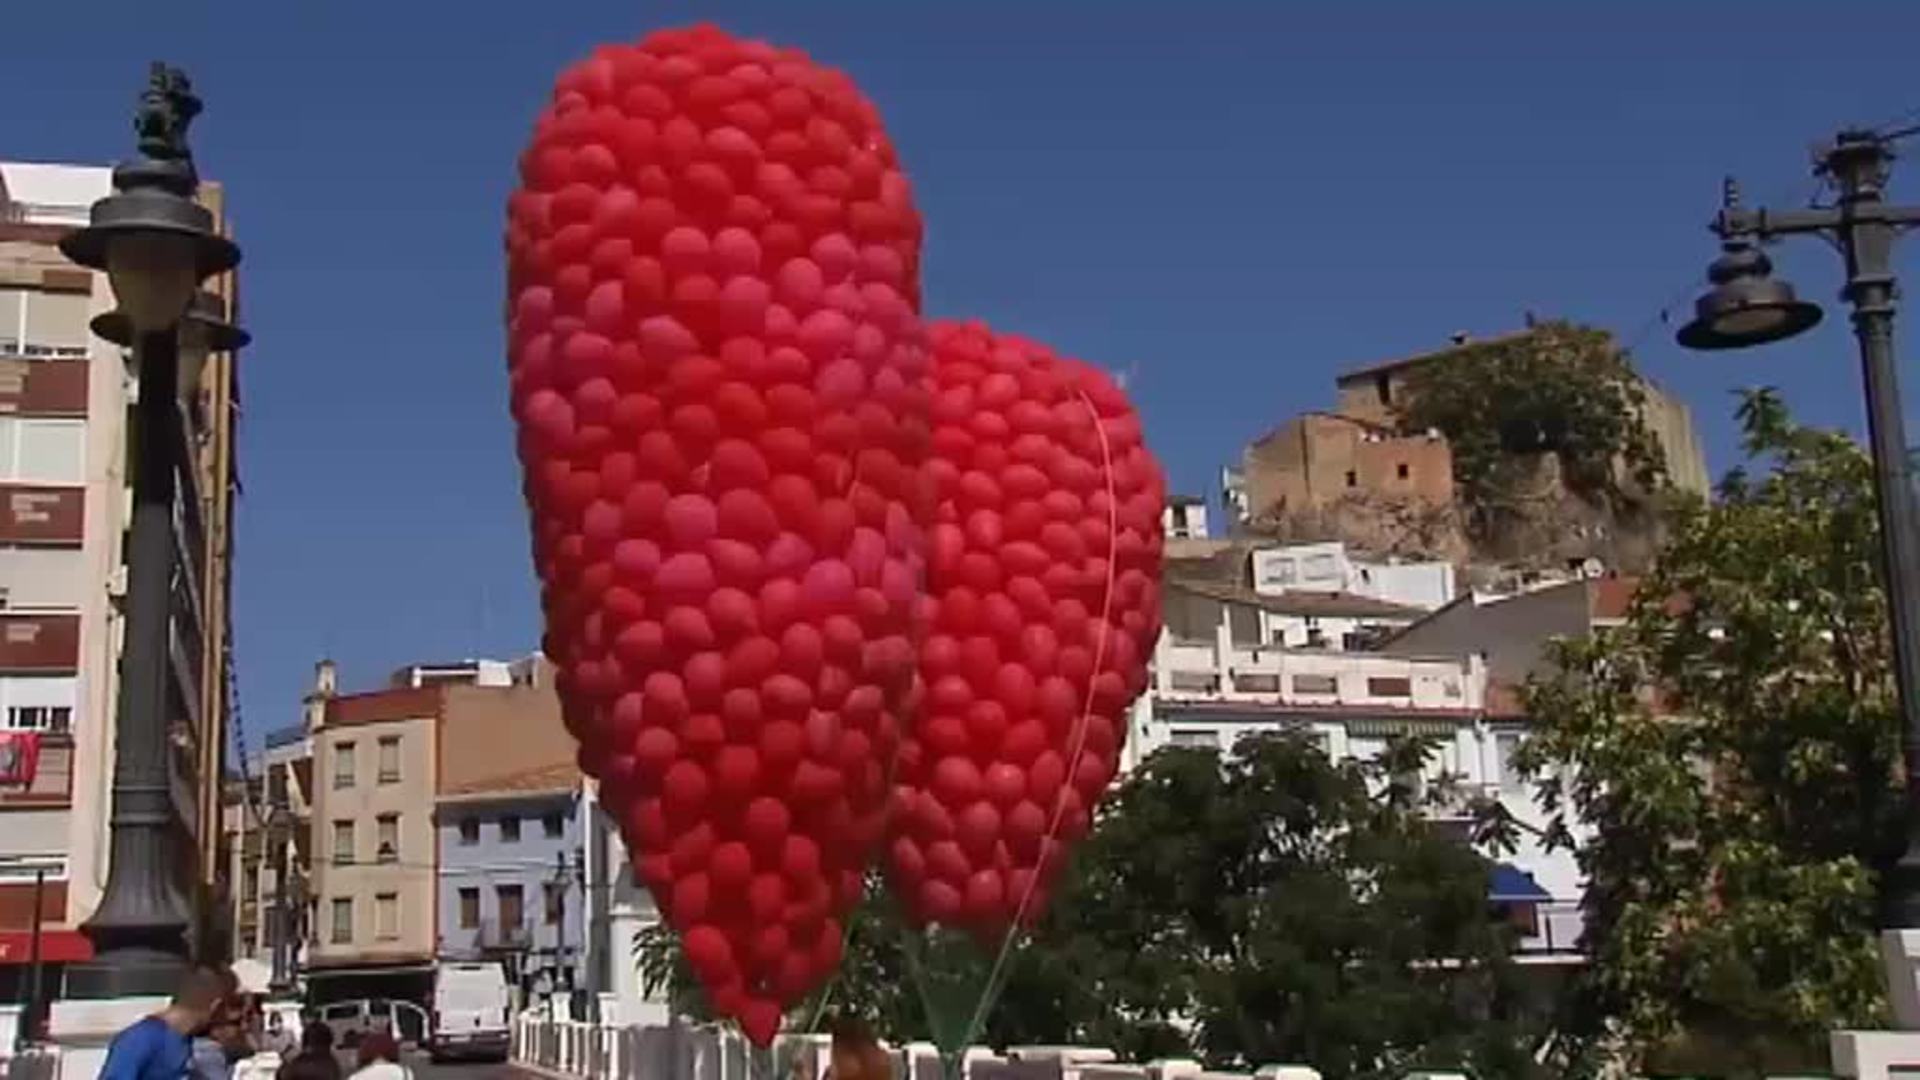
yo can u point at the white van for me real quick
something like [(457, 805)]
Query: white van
[(472, 1012)]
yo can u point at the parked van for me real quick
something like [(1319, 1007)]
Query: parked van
[(472, 1012)]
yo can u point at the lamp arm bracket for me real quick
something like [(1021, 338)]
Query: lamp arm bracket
[(1764, 224)]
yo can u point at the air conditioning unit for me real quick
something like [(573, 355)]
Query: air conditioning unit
[(117, 582)]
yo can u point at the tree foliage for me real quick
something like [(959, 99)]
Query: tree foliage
[(1733, 752), (1559, 389), (1269, 907)]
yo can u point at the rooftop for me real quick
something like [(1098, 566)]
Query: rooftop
[(1299, 601), (1383, 367)]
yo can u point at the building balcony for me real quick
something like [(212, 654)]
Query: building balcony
[(1213, 671)]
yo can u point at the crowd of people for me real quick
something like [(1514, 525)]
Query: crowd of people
[(210, 1027)]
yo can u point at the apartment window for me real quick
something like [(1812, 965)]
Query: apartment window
[(386, 916), (1401, 470), (37, 323), (342, 765), (469, 908), (42, 451), (1353, 478), (390, 759), (1512, 780), (553, 825), (1316, 684), (1389, 686), (39, 717), (556, 903), (38, 702), (342, 843), (509, 899), (389, 838), (469, 831), (342, 920), (1243, 624), (510, 830), (1199, 740)]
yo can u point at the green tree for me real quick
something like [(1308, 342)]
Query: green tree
[(1269, 907), (1733, 754), (1560, 389)]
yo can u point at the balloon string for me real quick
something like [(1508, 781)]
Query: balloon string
[(989, 991)]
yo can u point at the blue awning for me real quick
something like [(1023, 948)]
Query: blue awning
[(1508, 884)]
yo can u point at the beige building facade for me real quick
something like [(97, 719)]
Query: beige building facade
[(372, 819), (65, 471)]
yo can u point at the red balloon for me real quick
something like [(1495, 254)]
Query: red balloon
[(717, 367), (1042, 576)]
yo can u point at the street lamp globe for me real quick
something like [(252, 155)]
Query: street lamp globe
[(1746, 305)]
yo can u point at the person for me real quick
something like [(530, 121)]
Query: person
[(856, 1054), (159, 1047), (214, 1052), (315, 1061), (225, 1040), (380, 1058)]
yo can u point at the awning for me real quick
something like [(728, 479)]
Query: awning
[(1508, 884), (56, 946)]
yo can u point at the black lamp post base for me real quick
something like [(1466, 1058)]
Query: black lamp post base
[(129, 972)]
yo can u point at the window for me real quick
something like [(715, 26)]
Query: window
[(556, 903), (1389, 686), (1353, 478), (39, 717), (469, 831), (553, 825), (342, 765), (342, 843), (1318, 567), (469, 908), (249, 885), (37, 323), (386, 916), (1201, 740), (390, 759), (1401, 470), (509, 898), (389, 838), (277, 785), (509, 830), (1243, 624), (1316, 684), (1383, 388), (342, 920), (43, 451), (1512, 780)]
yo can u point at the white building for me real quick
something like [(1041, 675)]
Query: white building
[(1327, 567), (1243, 673)]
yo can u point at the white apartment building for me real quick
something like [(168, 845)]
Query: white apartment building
[(1235, 661)]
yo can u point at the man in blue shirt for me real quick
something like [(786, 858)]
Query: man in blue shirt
[(160, 1046)]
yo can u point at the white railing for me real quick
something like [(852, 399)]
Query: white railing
[(574, 1049)]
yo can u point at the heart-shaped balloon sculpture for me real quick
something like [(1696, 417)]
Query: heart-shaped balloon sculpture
[(1043, 607), (726, 423), (717, 369)]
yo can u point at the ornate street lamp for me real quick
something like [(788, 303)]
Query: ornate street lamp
[(156, 245), (1746, 306)]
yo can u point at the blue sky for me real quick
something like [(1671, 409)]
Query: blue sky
[(1228, 201)]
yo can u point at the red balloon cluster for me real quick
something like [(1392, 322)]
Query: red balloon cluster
[(1043, 566), (717, 369)]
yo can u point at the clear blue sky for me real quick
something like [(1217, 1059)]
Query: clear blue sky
[(1230, 201)]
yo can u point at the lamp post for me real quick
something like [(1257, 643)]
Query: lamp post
[(1745, 307), (156, 245)]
